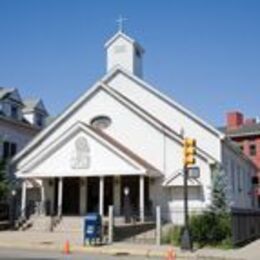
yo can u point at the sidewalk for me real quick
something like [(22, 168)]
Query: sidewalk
[(55, 241)]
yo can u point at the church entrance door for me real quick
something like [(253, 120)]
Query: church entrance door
[(93, 194), (71, 195), (108, 193)]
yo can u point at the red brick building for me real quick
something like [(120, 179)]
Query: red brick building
[(246, 133)]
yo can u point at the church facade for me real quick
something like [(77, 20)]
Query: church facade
[(125, 138)]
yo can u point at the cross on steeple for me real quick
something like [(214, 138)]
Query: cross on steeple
[(120, 22)]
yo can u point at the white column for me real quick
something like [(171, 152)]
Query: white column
[(101, 195), (141, 197), (23, 202), (117, 195), (42, 210), (60, 193), (158, 226), (110, 224), (83, 196)]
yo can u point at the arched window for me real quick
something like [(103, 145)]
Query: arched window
[(101, 122)]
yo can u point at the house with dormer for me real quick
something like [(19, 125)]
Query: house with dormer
[(20, 121)]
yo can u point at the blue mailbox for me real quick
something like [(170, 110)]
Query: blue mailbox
[(92, 228)]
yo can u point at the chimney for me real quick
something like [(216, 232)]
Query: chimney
[(234, 119), (250, 121)]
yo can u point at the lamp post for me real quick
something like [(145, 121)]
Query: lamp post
[(126, 204), (13, 208)]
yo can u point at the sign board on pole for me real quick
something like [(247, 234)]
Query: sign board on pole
[(193, 172)]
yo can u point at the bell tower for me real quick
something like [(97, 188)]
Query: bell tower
[(122, 51)]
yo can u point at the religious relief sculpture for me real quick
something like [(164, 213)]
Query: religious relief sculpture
[(80, 158)]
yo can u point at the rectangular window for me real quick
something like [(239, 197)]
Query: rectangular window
[(252, 149), (6, 148), (232, 169), (238, 179), (14, 112), (9, 149), (13, 149), (39, 120)]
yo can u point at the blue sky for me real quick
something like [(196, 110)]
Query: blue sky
[(205, 54)]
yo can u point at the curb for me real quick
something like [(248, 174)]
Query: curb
[(117, 251)]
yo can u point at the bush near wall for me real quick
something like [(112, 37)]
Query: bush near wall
[(211, 228), (207, 229)]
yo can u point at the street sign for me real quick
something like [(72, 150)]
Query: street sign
[(193, 172)]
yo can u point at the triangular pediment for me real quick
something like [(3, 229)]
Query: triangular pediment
[(105, 84), (80, 152)]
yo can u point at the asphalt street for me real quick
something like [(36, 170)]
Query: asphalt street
[(21, 254)]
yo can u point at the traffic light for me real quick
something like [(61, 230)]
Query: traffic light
[(189, 151)]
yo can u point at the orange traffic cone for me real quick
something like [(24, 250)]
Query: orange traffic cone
[(171, 255), (67, 247)]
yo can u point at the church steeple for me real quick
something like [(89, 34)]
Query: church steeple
[(123, 51)]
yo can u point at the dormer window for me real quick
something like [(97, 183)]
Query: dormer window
[(14, 112), (137, 53), (39, 120)]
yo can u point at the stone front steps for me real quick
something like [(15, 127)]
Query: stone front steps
[(70, 224), (132, 232), (36, 223)]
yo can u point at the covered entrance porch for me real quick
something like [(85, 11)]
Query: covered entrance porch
[(74, 196)]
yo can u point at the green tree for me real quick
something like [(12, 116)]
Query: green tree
[(213, 226), (219, 203)]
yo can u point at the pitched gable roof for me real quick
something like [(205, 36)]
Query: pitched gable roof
[(124, 149), (4, 92), (126, 37), (156, 122), (70, 109), (163, 97), (244, 130), (11, 93), (32, 104), (141, 166)]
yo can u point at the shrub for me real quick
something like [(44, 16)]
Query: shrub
[(173, 236), (210, 228)]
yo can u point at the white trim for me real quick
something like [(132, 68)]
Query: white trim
[(165, 98), (144, 114), (25, 168), (43, 175), (76, 128), (70, 109), (57, 121), (171, 180), (126, 37)]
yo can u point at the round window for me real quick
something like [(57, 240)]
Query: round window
[(101, 122)]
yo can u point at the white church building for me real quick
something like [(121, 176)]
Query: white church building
[(124, 133)]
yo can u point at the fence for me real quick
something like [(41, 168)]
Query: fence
[(245, 226)]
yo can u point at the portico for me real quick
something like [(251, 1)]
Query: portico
[(80, 195)]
